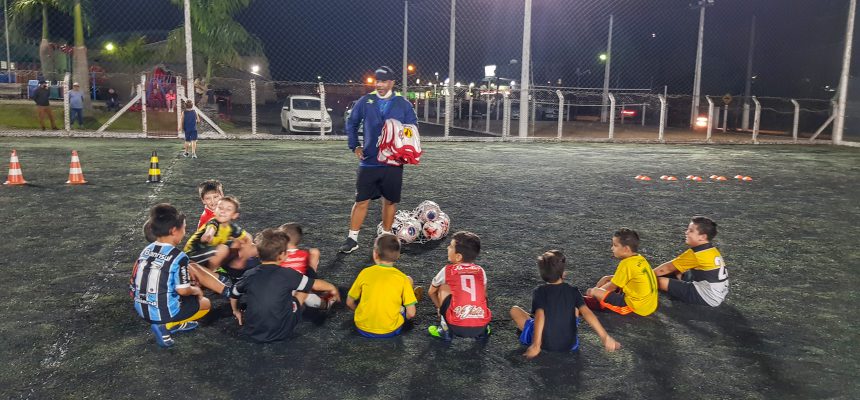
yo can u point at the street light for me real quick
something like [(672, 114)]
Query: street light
[(602, 57), (255, 69), (110, 47), (410, 68)]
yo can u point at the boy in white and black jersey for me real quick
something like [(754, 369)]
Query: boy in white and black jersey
[(698, 275)]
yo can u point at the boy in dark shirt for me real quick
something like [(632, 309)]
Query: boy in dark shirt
[(555, 306), (268, 300)]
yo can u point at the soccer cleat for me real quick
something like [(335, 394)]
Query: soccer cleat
[(437, 332), (185, 154), (185, 327), (348, 246), (162, 335), (193, 155)]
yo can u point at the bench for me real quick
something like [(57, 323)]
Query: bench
[(13, 90)]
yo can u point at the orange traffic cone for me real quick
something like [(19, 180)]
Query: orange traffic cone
[(76, 175), (15, 175)]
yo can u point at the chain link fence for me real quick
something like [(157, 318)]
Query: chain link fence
[(596, 69)]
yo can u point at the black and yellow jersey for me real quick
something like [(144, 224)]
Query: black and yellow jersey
[(224, 234)]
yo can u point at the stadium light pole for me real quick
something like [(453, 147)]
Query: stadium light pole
[(189, 57), (405, 85), (745, 122), (839, 122), (697, 81), (524, 75), (607, 66)]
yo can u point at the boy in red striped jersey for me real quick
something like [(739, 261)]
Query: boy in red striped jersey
[(303, 261), (459, 291)]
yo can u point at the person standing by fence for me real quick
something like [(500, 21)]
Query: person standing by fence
[(76, 104), (41, 96)]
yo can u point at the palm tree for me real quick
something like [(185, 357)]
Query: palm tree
[(216, 37), (81, 65), (24, 11)]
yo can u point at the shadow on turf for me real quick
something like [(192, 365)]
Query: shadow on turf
[(748, 344)]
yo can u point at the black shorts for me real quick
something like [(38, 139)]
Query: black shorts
[(686, 292), (462, 331), (375, 182)]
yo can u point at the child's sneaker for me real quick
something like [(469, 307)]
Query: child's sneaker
[(185, 327), (437, 332), (185, 154), (193, 155), (162, 335)]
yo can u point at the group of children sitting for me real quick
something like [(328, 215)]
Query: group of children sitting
[(270, 281)]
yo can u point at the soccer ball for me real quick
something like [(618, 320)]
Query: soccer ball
[(428, 211), (433, 230), (407, 230), (445, 222)]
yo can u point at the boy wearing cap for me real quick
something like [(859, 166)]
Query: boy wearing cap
[(41, 96), (375, 179), (76, 104)]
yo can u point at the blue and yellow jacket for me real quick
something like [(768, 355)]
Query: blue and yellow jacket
[(373, 111)]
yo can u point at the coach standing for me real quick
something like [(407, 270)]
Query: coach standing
[(375, 179)]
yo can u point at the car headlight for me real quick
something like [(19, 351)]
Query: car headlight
[(294, 118)]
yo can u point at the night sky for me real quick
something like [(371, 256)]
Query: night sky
[(798, 47)]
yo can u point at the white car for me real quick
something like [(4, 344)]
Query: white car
[(302, 114)]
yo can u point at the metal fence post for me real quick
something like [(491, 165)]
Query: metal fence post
[(623, 106), (756, 120), (179, 107), (142, 91), (322, 109), (663, 107), (66, 121), (437, 109), (471, 101), (710, 118), (725, 118), (489, 104), (426, 109), (796, 125), (506, 122), (560, 111), (611, 116), (253, 107), (644, 108)]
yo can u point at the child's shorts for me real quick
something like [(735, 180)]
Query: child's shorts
[(188, 306), (461, 331), (686, 292), (615, 302), (528, 333), (384, 335), (190, 136), (202, 254)]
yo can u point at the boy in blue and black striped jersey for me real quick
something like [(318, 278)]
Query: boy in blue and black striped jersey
[(161, 281)]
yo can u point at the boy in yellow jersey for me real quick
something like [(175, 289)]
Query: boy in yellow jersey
[(698, 275), (633, 287), (216, 241), (382, 296)]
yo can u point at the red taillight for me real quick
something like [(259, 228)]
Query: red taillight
[(628, 113), (701, 122)]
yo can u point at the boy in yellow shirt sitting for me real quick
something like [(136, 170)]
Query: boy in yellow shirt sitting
[(633, 287), (382, 296)]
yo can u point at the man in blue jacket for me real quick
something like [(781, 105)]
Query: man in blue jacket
[(375, 179)]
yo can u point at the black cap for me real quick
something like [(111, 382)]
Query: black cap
[(385, 73), (42, 82)]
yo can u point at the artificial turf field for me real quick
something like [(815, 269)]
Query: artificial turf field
[(789, 328)]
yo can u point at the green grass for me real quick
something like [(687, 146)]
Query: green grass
[(17, 116), (787, 329)]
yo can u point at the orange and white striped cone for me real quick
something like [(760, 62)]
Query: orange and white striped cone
[(154, 171), (15, 175), (76, 174)]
